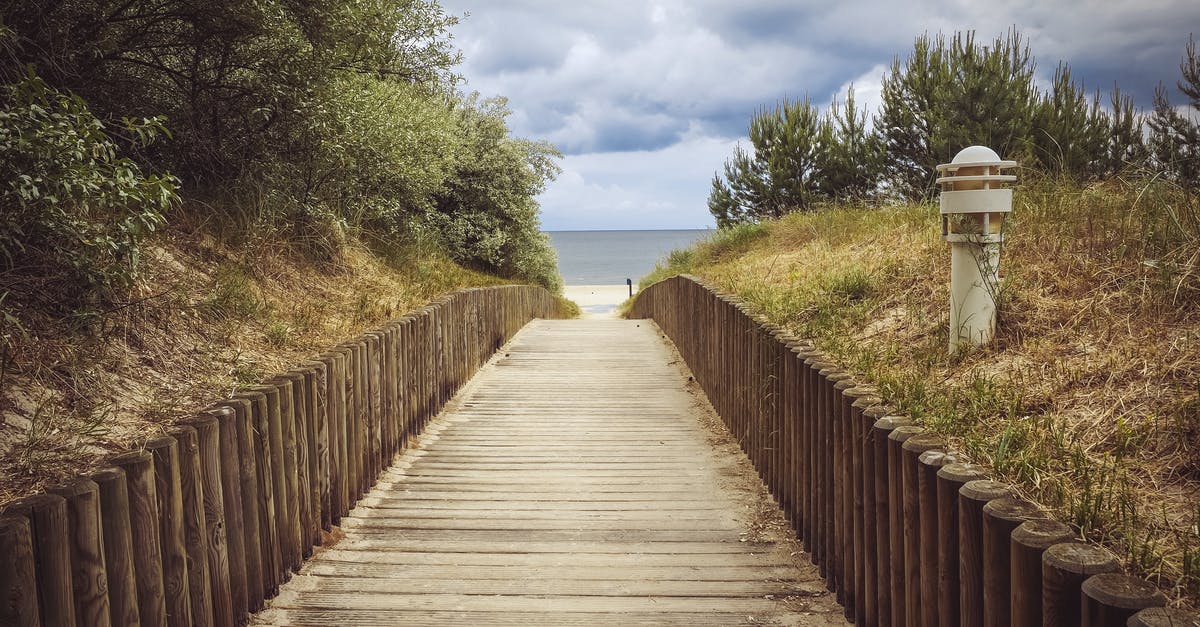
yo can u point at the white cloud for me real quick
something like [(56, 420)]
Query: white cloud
[(643, 189), (643, 95)]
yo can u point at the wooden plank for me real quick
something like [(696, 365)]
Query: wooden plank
[(697, 561), (301, 595), (570, 482), (553, 573), (671, 584), (453, 618)]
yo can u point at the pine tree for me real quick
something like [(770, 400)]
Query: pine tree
[(1125, 145), (1070, 134), (942, 99), (1175, 138), (851, 155)]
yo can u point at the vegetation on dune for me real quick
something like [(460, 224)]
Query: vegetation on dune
[(197, 195), (1089, 397), (947, 94), (317, 121)]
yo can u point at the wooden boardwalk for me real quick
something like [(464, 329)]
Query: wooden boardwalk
[(576, 480)]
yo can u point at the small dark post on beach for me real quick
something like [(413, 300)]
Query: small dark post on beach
[(629, 282)]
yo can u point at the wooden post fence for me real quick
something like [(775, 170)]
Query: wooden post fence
[(902, 532), (202, 523)]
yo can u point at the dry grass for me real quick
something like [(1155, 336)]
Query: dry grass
[(204, 320), (1088, 400)]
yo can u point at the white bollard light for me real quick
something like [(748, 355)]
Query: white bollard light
[(973, 206)]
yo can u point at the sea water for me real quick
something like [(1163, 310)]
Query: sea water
[(610, 257)]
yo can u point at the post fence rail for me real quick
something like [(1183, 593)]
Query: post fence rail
[(202, 524), (903, 532)]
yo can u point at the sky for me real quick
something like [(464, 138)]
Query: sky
[(647, 99)]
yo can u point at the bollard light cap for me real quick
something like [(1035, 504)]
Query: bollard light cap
[(974, 157)]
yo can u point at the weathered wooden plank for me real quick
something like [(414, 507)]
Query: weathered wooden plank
[(623, 584), (551, 574), (569, 483), (367, 542), (696, 561), (389, 618), (296, 597)]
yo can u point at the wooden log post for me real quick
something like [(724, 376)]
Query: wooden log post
[(290, 525), (1000, 518), (971, 499), (118, 546), (86, 542), (752, 443), (258, 501), (47, 516), (781, 449), (825, 483), (299, 431), (801, 451), (795, 453), (269, 503), (234, 475), (318, 446), (169, 491), (1164, 617), (910, 455), (901, 533), (404, 380), (1029, 540), (281, 514), (378, 424), (348, 438), (1064, 568), (829, 403), (779, 456), (886, 550), (806, 358), (387, 376), (871, 565), (195, 536), (929, 463), (18, 582), (950, 479), (143, 528), (329, 478), (1111, 599), (863, 397), (215, 530), (362, 408), (843, 508), (820, 450)]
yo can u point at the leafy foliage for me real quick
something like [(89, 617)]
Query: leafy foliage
[(486, 215), (75, 210), (338, 119)]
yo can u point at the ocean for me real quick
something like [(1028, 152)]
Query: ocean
[(610, 257)]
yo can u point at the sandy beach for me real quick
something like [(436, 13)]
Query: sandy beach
[(598, 301)]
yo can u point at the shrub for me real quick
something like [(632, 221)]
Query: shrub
[(75, 211)]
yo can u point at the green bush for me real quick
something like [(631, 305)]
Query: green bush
[(75, 211)]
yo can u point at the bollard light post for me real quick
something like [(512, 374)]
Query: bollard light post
[(973, 206)]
